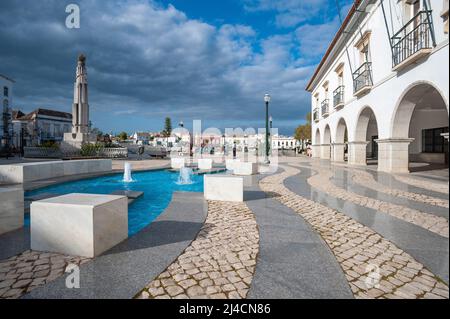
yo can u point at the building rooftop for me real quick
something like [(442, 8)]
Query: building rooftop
[(7, 78), (17, 114), (45, 112), (333, 43)]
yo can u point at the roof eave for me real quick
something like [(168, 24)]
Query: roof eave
[(333, 43)]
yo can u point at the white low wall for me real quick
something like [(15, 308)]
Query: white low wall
[(231, 164), (28, 172), (205, 163), (79, 224), (11, 209), (114, 153), (245, 169), (178, 162), (224, 188)]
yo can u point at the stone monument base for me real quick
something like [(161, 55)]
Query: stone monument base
[(76, 140)]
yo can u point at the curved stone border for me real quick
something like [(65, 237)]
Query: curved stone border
[(121, 272), (428, 248), (219, 264), (25, 272), (367, 180), (373, 266), (433, 223), (435, 187), (294, 262)]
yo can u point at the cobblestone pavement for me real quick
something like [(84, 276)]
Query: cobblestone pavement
[(374, 267), (23, 273), (433, 223), (421, 183), (367, 180), (219, 263)]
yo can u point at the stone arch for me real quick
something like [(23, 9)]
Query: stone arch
[(406, 104), (325, 148), (363, 119), (317, 139), (341, 129), (418, 125), (339, 147), (326, 135), (364, 145)]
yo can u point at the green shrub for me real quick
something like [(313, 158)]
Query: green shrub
[(49, 144), (89, 150)]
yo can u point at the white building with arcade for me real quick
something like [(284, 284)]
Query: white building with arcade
[(382, 89)]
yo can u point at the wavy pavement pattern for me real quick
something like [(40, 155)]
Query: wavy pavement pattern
[(220, 262), (373, 266), (420, 183), (435, 224), (367, 180), (31, 269)]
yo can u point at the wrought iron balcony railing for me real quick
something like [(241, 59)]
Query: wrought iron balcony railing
[(325, 107), (413, 39), (362, 78), (338, 97), (316, 115)]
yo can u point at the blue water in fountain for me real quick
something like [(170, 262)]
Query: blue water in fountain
[(158, 187)]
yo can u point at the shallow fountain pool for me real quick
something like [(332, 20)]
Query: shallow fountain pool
[(158, 187)]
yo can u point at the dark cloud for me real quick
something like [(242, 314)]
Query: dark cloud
[(146, 62)]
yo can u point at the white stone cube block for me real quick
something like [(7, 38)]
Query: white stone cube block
[(205, 163), (11, 209), (245, 168), (231, 164), (178, 162), (79, 224), (225, 188)]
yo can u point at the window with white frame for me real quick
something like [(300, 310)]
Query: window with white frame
[(325, 90), (363, 46)]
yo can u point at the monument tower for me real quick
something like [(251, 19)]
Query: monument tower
[(80, 108)]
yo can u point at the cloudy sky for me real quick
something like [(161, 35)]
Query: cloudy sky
[(187, 59)]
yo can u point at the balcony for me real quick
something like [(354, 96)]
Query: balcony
[(362, 79), (338, 97), (325, 108), (316, 115), (412, 42)]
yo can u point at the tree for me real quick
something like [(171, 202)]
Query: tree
[(123, 136), (303, 132), (167, 127)]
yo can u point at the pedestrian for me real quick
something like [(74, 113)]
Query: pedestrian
[(234, 150)]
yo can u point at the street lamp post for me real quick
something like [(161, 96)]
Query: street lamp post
[(267, 100)]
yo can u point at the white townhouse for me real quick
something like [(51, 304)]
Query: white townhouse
[(382, 89), (280, 142), (39, 126), (6, 94)]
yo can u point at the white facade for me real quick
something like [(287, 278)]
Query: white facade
[(141, 138), (280, 142), (6, 100), (40, 126), (384, 85)]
